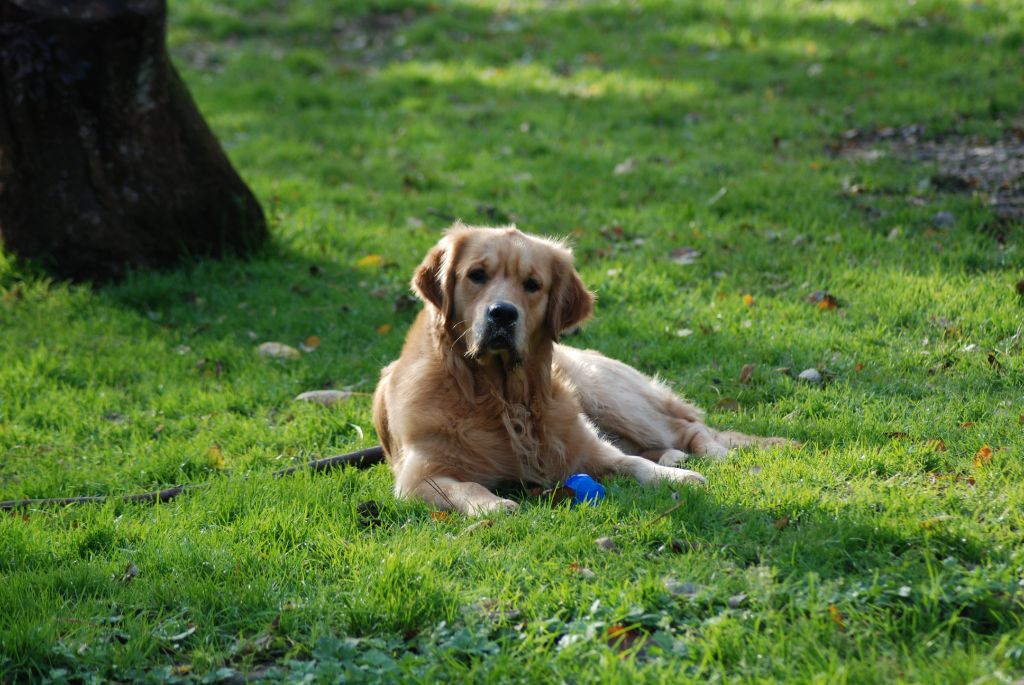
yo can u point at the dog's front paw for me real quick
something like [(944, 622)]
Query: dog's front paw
[(495, 505)]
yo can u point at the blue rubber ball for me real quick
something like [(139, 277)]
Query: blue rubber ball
[(584, 488)]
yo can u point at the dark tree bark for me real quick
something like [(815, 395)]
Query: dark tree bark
[(105, 161)]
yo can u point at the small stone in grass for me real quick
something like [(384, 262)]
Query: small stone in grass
[(736, 601), (278, 350), (681, 588), (810, 376), (943, 219), (606, 544), (328, 398)]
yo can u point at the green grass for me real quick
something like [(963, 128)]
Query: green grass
[(869, 555)]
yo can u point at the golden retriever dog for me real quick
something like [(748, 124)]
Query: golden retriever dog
[(483, 394)]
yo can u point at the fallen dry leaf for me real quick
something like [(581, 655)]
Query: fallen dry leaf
[(384, 328), (310, 343), (728, 404), (559, 495), (970, 424), (130, 571), (16, 294), (983, 457), (439, 516), (942, 478), (746, 372), (684, 255), (278, 350), (623, 638), (781, 523), (858, 367), (837, 617), (581, 570), (370, 260), (215, 458), (824, 299), (936, 444)]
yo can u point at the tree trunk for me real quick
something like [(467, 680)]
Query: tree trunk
[(105, 162)]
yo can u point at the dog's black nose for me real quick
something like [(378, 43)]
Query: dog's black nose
[(502, 313)]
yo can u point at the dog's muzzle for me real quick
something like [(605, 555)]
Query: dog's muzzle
[(500, 326)]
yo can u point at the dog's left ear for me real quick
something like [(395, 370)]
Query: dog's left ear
[(570, 303)]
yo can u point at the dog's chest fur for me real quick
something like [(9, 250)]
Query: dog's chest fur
[(502, 438)]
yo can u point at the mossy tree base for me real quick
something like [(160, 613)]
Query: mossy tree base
[(105, 162)]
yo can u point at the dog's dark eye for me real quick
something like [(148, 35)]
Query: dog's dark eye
[(478, 276), (531, 285)]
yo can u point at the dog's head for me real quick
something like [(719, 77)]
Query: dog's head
[(501, 291)]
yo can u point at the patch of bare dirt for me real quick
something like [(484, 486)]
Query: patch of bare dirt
[(350, 42), (371, 38), (992, 170)]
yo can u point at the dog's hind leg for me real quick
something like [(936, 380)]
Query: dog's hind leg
[(737, 439)]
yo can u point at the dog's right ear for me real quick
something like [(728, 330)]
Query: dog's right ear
[(428, 279), (434, 279)]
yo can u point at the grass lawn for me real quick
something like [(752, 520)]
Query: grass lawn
[(780, 147)]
